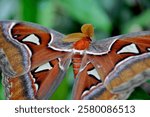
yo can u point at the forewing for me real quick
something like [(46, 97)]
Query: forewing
[(25, 46), (125, 63)]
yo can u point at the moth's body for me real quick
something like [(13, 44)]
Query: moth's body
[(81, 45), (77, 60), (38, 60)]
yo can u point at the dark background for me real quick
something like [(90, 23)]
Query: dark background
[(109, 17)]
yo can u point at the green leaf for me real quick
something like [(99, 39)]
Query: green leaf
[(139, 94), (2, 97), (148, 81), (87, 11), (28, 10), (46, 13), (137, 22)]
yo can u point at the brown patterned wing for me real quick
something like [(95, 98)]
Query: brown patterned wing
[(25, 46), (125, 63), (40, 83), (88, 86)]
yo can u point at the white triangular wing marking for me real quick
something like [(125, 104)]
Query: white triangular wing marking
[(129, 49), (33, 39), (94, 73), (43, 67)]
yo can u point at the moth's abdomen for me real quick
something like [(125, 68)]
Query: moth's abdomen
[(77, 59)]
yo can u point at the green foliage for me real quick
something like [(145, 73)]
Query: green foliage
[(86, 11), (1, 91), (139, 94), (137, 22), (109, 17), (28, 10)]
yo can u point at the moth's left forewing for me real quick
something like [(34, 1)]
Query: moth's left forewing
[(37, 41), (25, 46), (125, 63)]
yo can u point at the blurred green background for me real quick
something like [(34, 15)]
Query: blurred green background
[(109, 17)]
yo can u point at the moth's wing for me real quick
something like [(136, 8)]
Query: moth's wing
[(40, 83), (25, 46), (146, 87), (19, 88), (124, 63), (88, 86)]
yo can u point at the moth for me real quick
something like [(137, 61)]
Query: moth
[(34, 60)]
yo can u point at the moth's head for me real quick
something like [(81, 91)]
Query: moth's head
[(87, 31)]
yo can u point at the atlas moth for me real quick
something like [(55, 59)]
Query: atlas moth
[(34, 60)]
